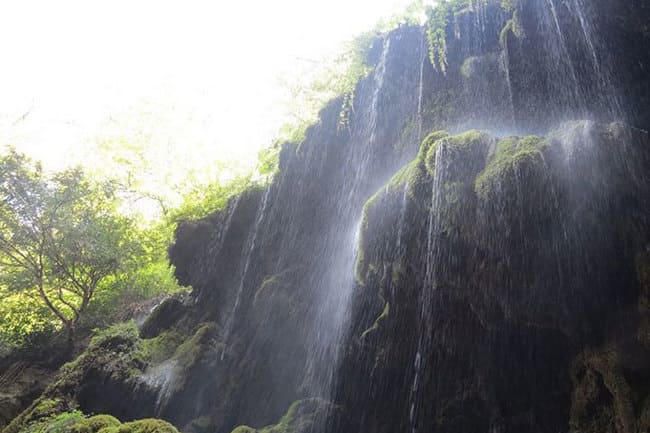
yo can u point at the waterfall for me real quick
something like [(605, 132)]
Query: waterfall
[(423, 59), (244, 272), (429, 285), (218, 243), (378, 76), (335, 280)]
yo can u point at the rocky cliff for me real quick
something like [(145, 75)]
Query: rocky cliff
[(468, 251)]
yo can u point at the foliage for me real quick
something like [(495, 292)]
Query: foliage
[(437, 36), (439, 17), (338, 75), (206, 199), (24, 319), (322, 81), (268, 160), (155, 154), (60, 236)]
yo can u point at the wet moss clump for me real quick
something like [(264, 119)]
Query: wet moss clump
[(191, 351), (510, 153), (76, 422), (59, 423), (94, 423), (244, 429), (303, 416), (417, 172), (158, 349), (414, 180), (457, 145), (148, 425)]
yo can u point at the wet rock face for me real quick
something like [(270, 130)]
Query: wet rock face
[(528, 241), (495, 275), (519, 261), (20, 383)]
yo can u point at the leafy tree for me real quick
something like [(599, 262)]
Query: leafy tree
[(60, 236)]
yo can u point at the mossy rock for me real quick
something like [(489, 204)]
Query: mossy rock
[(378, 321), (113, 354), (510, 154), (160, 348), (302, 417), (148, 425), (76, 422), (244, 429), (193, 349), (94, 424), (416, 173), (59, 423), (163, 317)]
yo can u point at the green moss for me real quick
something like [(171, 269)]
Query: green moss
[(439, 18), (94, 424), (415, 172), (59, 423), (508, 5), (396, 273), (158, 349), (148, 425), (112, 352), (384, 314), (510, 152), (48, 406), (468, 67), (511, 29), (429, 142), (461, 143), (413, 177), (301, 417), (244, 429), (191, 351)]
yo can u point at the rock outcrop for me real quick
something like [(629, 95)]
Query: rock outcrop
[(492, 278)]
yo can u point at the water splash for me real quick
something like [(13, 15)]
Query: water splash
[(161, 378)]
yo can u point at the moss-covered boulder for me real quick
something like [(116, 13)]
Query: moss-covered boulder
[(148, 425), (94, 424), (117, 375), (303, 416), (110, 366), (527, 243), (77, 422)]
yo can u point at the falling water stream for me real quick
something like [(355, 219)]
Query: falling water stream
[(330, 323), (244, 272), (330, 278), (423, 59)]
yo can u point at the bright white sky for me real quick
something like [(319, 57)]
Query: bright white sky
[(204, 73)]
